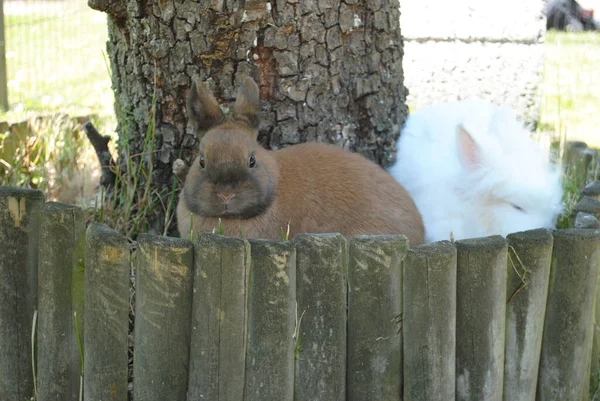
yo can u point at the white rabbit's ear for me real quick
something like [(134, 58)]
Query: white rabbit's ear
[(468, 150)]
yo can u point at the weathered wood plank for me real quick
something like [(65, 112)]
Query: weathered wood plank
[(107, 269), (163, 292), (219, 318), (567, 342), (60, 296), (19, 210), (595, 355), (271, 322), (480, 318), (529, 261), (321, 271), (429, 322), (374, 305)]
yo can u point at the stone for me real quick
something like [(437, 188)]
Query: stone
[(586, 220)]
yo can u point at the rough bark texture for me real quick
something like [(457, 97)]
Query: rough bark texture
[(328, 70)]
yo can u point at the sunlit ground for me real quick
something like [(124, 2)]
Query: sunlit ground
[(55, 60), (571, 86)]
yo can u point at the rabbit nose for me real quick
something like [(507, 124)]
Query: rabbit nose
[(225, 196)]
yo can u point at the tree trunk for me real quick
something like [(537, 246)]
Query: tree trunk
[(328, 70)]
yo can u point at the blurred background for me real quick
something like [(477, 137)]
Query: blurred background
[(55, 77), (540, 57), (54, 56)]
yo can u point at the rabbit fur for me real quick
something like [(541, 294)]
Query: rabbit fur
[(473, 171), (315, 187)]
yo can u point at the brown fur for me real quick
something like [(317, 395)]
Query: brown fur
[(317, 188)]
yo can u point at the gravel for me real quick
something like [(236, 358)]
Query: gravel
[(506, 20), (474, 48)]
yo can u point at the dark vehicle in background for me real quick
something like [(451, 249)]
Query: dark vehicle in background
[(568, 15)]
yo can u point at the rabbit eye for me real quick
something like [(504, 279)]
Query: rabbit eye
[(252, 161), (202, 161), (519, 208)]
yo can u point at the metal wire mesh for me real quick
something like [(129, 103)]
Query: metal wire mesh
[(54, 55)]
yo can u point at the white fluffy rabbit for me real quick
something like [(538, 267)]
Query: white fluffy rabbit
[(473, 171)]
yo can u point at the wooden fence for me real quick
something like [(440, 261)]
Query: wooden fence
[(314, 318)]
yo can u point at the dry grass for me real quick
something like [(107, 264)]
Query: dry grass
[(53, 155), (56, 69)]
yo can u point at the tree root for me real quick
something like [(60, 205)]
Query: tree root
[(100, 144)]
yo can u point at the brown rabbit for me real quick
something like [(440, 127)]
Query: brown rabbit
[(316, 188)]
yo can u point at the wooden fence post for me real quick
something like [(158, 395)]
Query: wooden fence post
[(529, 259), (589, 219), (480, 318), (163, 293), (592, 190), (321, 294), (60, 295), (586, 204), (567, 342), (19, 210), (271, 322), (107, 269), (429, 322), (374, 306), (219, 314)]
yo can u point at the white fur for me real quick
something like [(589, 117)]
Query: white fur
[(475, 200)]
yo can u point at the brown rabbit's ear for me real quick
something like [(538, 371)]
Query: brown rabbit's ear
[(247, 106), (202, 107)]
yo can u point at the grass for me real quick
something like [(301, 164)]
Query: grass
[(570, 104), (56, 159), (135, 201), (54, 58), (298, 337), (571, 86)]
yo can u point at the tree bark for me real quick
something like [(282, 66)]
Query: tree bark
[(328, 71)]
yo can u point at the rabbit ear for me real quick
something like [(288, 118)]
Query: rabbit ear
[(468, 150), (202, 107), (247, 106)]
